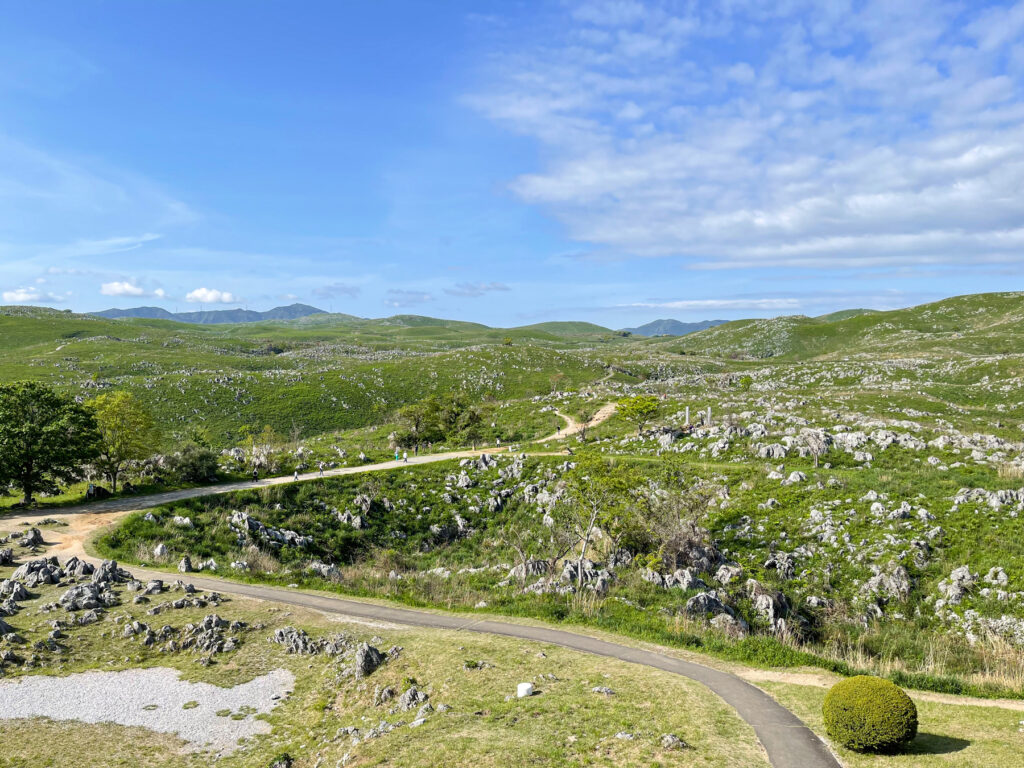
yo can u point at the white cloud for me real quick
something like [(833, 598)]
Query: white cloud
[(851, 134), (20, 295), (210, 296), (122, 288), (25, 295), (130, 288)]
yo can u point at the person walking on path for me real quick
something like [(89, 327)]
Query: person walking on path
[(255, 474), (295, 477), (321, 469), (405, 456), (397, 456)]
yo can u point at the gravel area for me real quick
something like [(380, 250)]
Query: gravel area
[(152, 698)]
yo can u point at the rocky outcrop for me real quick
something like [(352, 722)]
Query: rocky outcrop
[(367, 660), (298, 642), (249, 528)]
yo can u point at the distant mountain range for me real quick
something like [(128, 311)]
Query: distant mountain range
[(296, 311), (215, 316), (672, 327)]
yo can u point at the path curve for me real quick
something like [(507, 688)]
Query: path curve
[(573, 427), (788, 742)]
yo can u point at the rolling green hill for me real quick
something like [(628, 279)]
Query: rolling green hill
[(978, 324), (568, 329), (323, 372), (328, 372)]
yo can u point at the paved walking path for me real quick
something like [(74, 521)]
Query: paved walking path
[(788, 742), (133, 503)]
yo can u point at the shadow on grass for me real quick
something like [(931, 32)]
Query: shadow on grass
[(934, 744)]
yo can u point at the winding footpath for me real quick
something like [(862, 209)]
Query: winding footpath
[(788, 742)]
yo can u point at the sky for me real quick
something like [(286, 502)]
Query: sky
[(508, 162)]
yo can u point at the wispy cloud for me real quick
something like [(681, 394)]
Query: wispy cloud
[(685, 304), (40, 188), (475, 289), (402, 298), (886, 133), (334, 290)]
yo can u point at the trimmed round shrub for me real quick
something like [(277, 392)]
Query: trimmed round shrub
[(869, 714)]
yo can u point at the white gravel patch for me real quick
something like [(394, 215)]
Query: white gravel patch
[(151, 698)]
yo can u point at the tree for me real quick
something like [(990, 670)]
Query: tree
[(200, 435), (45, 438), (585, 418), (817, 441), (675, 516), (451, 418), (127, 432), (195, 464), (520, 537), (594, 495), (261, 450), (419, 423), (639, 410), (295, 433)]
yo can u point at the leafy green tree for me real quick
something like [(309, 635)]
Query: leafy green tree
[(127, 432), (449, 418), (45, 438), (639, 410), (419, 423)]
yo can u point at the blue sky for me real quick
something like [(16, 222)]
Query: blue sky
[(511, 162)]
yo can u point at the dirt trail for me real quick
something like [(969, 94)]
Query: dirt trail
[(573, 427)]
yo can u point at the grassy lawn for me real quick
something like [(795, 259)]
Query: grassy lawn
[(566, 723), (965, 736)]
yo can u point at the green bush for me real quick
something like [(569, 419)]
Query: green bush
[(869, 714), (195, 464)]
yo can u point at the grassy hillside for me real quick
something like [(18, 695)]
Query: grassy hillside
[(321, 373), (566, 329), (980, 324)]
